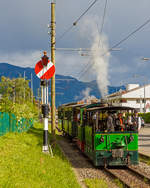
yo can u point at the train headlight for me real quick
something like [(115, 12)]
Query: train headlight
[(101, 139)]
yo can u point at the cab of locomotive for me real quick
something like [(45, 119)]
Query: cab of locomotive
[(114, 139)]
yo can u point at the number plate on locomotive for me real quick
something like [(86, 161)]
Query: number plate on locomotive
[(117, 153)]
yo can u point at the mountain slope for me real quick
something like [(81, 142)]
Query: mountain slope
[(68, 89)]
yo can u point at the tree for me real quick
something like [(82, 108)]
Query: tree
[(16, 97)]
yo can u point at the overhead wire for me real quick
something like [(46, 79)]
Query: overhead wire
[(103, 20), (77, 20), (85, 12), (117, 44)]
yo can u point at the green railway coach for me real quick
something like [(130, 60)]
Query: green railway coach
[(69, 119), (88, 124)]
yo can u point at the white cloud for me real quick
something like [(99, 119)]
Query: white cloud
[(28, 59)]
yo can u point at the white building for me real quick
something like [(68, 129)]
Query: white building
[(134, 96)]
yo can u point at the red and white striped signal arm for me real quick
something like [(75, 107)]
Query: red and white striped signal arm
[(44, 72)]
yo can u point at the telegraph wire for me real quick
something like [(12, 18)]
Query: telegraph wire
[(75, 23), (117, 44)]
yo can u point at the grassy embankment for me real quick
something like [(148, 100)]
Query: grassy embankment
[(145, 159), (22, 164), (96, 183)]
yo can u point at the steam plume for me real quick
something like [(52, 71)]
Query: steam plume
[(99, 61)]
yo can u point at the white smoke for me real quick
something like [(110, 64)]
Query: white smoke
[(86, 94), (99, 46)]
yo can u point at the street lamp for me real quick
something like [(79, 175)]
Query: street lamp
[(145, 58), (144, 98)]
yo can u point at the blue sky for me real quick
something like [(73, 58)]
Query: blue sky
[(23, 36)]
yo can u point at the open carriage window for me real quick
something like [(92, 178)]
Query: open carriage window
[(99, 121), (121, 120)]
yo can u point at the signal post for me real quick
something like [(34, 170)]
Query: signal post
[(45, 69)]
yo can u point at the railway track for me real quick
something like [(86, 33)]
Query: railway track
[(133, 176), (130, 177)]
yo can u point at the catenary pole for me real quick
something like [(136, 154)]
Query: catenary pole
[(53, 61)]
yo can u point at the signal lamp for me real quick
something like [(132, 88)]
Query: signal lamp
[(45, 59)]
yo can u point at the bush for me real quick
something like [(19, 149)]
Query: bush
[(145, 116)]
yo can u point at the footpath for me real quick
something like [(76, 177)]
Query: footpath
[(144, 140)]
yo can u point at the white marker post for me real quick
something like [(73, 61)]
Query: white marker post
[(45, 112)]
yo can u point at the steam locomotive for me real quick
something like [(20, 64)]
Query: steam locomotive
[(87, 124)]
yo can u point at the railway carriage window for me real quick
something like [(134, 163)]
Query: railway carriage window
[(85, 118), (78, 116), (110, 122), (90, 119)]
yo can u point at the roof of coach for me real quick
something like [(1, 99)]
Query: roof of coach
[(111, 108)]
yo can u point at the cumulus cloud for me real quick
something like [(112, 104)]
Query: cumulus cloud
[(28, 59)]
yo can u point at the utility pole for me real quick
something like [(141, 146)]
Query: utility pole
[(53, 61), (24, 85), (144, 99), (31, 88)]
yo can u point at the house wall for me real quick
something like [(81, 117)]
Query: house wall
[(134, 99)]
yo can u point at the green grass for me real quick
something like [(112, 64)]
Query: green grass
[(118, 183), (96, 183), (23, 165)]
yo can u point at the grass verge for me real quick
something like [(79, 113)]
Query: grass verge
[(23, 165), (145, 159), (96, 183)]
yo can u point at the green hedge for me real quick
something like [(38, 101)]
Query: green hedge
[(145, 116)]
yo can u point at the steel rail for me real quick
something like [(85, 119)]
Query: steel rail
[(136, 173)]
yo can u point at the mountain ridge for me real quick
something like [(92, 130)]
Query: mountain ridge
[(68, 88)]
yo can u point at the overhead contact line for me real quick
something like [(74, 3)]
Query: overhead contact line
[(75, 23), (120, 42)]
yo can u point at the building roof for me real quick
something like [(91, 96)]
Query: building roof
[(120, 93)]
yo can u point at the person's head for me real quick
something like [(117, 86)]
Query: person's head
[(119, 114), (136, 114), (115, 115)]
